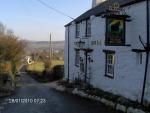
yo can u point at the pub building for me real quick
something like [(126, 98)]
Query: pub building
[(108, 47)]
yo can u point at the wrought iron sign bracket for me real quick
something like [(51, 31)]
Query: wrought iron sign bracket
[(124, 17)]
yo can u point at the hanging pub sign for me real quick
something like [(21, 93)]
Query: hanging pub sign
[(116, 18), (115, 31)]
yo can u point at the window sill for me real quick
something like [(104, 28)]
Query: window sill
[(138, 50), (77, 36), (109, 51), (109, 76), (77, 65), (88, 36), (127, 45)]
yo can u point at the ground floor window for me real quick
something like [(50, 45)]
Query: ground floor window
[(82, 67), (110, 64), (77, 57), (139, 58)]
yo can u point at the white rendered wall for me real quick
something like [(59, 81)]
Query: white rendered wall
[(129, 75), (66, 53)]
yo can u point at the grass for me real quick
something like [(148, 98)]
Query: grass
[(57, 62), (39, 66)]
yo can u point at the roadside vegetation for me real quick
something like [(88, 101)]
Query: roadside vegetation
[(44, 69), (40, 67), (11, 51)]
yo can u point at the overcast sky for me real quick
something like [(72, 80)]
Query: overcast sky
[(32, 21)]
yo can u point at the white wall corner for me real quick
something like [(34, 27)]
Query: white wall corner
[(92, 17), (73, 23)]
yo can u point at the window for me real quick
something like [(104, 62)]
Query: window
[(77, 57), (77, 30), (82, 66), (110, 63), (115, 31), (88, 28), (139, 58)]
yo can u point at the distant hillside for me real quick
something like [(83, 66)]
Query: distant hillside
[(44, 45)]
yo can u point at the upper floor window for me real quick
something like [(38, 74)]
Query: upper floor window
[(88, 28), (115, 31), (77, 30)]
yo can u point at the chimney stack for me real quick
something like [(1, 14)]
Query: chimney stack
[(96, 2)]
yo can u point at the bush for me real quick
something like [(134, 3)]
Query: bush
[(57, 72), (5, 67), (5, 79)]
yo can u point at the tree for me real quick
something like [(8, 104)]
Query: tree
[(11, 47), (2, 29)]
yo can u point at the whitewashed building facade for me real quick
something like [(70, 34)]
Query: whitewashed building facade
[(103, 48)]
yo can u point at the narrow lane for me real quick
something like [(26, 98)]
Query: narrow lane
[(56, 102)]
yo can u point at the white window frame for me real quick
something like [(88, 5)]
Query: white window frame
[(78, 30), (139, 58), (77, 57), (110, 64), (82, 67), (88, 28)]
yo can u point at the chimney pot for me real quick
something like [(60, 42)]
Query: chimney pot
[(96, 2)]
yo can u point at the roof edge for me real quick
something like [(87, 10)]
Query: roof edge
[(123, 5)]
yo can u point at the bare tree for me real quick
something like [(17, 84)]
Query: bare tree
[(2, 29), (11, 47)]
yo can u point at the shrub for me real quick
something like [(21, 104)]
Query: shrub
[(57, 72), (5, 67)]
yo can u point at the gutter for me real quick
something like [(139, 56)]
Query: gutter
[(68, 77), (86, 59)]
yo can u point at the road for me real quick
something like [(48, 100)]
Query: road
[(56, 102)]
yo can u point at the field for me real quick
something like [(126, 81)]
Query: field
[(39, 66)]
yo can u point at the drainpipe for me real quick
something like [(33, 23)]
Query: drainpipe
[(68, 77), (147, 52), (86, 60)]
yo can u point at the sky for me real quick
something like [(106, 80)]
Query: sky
[(31, 20)]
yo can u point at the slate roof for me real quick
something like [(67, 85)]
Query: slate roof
[(98, 10)]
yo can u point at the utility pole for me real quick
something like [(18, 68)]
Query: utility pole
[(50, 50), (147, 49)]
